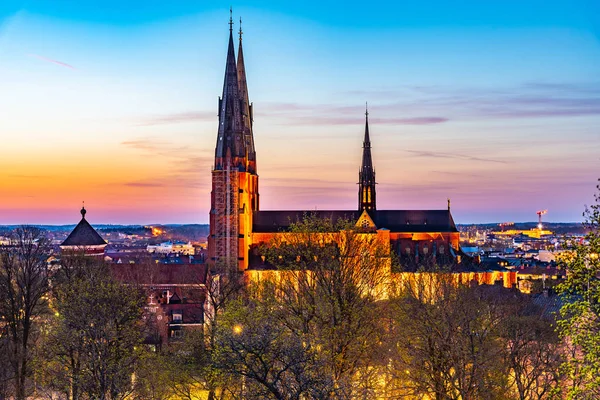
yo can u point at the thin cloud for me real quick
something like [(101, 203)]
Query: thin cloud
[(302, 182), (184, 162), (532, 100), (529, 100), (459, 174), (162, 148), (169, 181), (188, 153), (434, 154), (19, 176), (270, 108), (297, 114), (62, 64), (413, 121), (568, 87), (309, 167), (146, 144), (304, 198), (143, 184), (178, 118), (341, 120)]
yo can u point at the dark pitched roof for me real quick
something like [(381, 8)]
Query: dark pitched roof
[(549, 302), (393, 220), (415, 220), (83, 235), (279, 221)]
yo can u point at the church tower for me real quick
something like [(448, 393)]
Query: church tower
[(234, 193), (248, 120), (366, 175)]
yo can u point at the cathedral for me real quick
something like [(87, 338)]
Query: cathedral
[(238, 226)]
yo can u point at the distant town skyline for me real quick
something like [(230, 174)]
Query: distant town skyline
[(495, 106)]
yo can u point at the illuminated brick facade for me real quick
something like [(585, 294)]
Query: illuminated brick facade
[(238, 227), (234, 195)]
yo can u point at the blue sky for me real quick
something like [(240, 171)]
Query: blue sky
[(493, 104)]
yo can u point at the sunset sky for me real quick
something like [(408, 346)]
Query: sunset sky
[(114, 103)]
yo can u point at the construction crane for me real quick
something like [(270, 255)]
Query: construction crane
[(540, 213)]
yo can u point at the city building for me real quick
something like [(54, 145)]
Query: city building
[(84, 239), (175, 286), (176, 297), (176, 247)]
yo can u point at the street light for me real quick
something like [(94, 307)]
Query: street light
[(238, 329)]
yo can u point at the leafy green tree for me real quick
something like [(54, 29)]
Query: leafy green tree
[(23, 289), (444, 340), (157, 377), (579, 323), (93, 345)]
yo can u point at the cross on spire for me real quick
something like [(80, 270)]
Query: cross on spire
[(241, 29), (230, 19)]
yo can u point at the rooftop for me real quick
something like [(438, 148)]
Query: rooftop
[(83, 234)]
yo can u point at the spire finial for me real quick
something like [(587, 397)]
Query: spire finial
[(230, 19), (83, 209), (241, 29), (448, 203), (366, 109)]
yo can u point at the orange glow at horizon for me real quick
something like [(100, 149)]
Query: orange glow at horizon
[(170, 182), (49, 186)]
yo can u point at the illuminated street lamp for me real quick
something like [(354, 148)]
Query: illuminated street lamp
[(238, 329)]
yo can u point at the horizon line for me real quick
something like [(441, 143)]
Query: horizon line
[(2, 225)]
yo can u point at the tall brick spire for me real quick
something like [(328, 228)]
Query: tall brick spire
[(366, 175), (230, 140), (247, 116), (234, 195)]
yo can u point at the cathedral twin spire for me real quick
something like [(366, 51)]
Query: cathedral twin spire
[(235, 139), (366, 175), (235, 142), (246, 107)]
